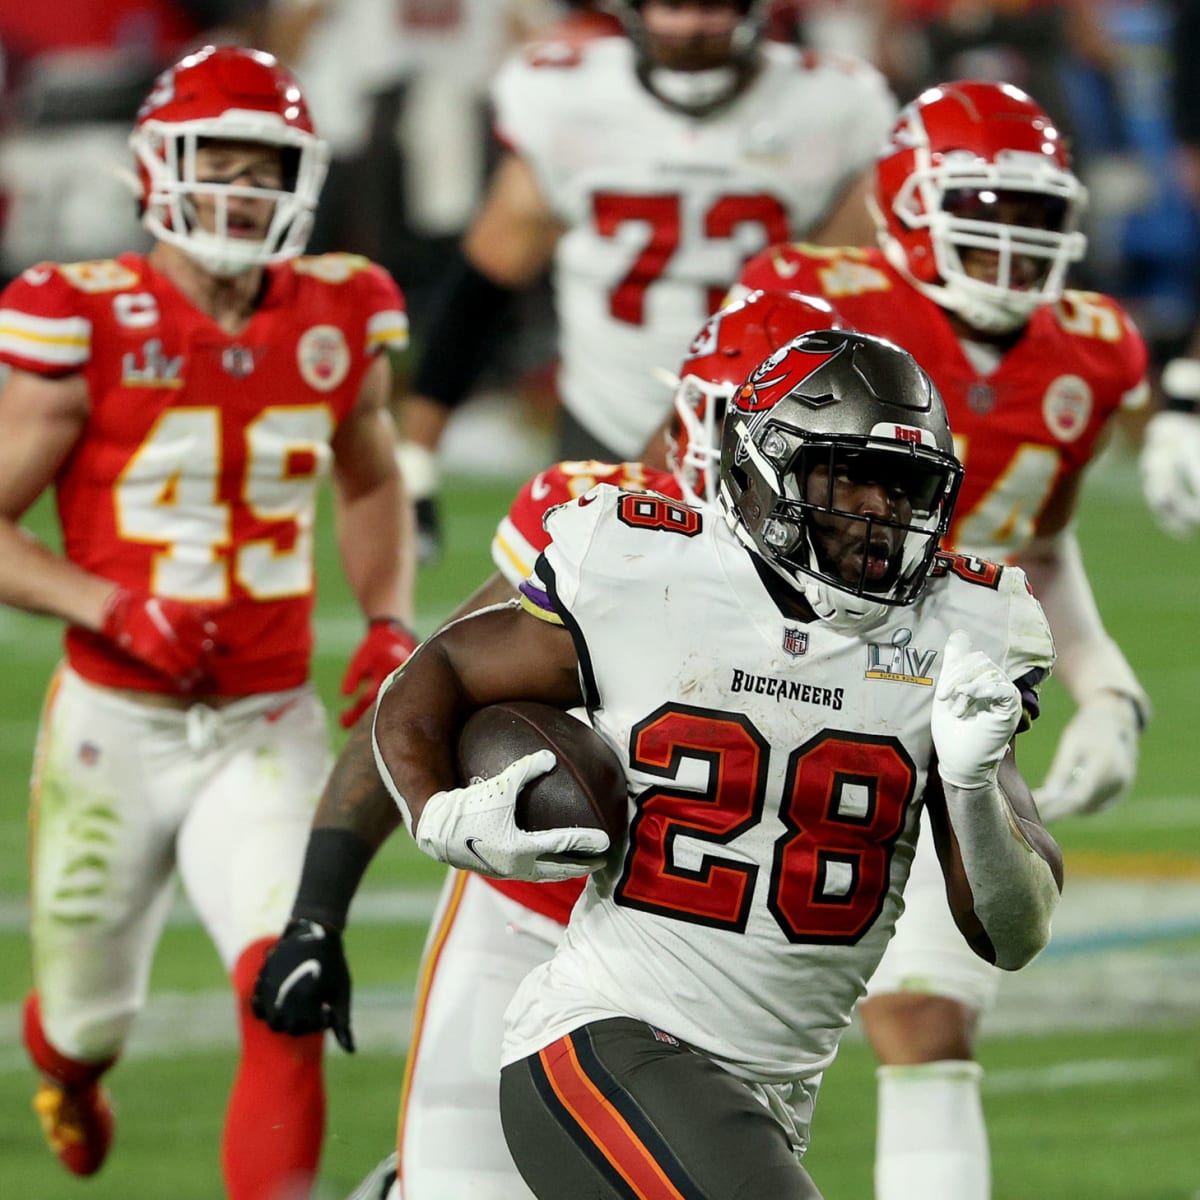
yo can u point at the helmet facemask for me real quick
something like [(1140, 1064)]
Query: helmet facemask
[(798, 473), (956, 203), (168, 156), (694, 443), (976, 204)]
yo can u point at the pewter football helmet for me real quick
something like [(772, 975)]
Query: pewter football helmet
[(856, 406)]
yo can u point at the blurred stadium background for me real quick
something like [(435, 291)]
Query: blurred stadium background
[(1093, 1054)]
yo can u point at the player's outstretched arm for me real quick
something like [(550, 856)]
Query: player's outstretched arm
[(1004, 870), (501, 653), (376, 539), (1096, 759)]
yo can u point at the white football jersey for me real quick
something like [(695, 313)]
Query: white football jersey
[(661, 209), (776, 772)]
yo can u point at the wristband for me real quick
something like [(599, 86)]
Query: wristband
[(334, 864), (395, 623)]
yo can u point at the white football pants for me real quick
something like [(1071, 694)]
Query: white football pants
[(480, 946), (125, 795)]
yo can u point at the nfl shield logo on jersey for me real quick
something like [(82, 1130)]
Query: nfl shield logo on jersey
[(795, 641), (237, 361), (981, 398)]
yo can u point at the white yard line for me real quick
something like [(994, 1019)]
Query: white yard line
[(196, 1022), (1117, 962), (375, 906), (1087, 1073)]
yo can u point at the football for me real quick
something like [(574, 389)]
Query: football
[(586, 788)]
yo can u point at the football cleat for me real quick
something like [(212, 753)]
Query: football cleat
[(77, 1125)]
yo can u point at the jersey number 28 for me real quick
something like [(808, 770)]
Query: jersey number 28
[(843, 805)]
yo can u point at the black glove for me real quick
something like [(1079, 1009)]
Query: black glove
[(429, 530), (304, 984)]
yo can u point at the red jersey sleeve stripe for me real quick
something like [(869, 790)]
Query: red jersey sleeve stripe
[(511, 552), (388, 329), (54, 342)]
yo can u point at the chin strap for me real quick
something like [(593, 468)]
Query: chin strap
[(851, 615), (841, 611), (693, 92)]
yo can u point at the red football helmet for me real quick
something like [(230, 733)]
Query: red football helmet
[(731, 343), (233, 94), (974, 167)]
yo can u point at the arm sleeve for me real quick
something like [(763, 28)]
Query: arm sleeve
[(467, 315)]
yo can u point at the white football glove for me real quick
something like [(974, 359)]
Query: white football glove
[(1170, 466), (474, 828), (976, 710), (1096, 759)]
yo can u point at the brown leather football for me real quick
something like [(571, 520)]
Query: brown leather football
[(586, 788)]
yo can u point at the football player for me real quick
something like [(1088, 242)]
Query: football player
[(977, 211), (789, 685), (487, 934), (184, 406), (646, 169)]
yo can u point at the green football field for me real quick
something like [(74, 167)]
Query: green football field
[(1093, 1054)]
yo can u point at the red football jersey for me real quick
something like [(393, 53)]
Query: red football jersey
[(1020, 428), (519, 539), (196, 475)]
